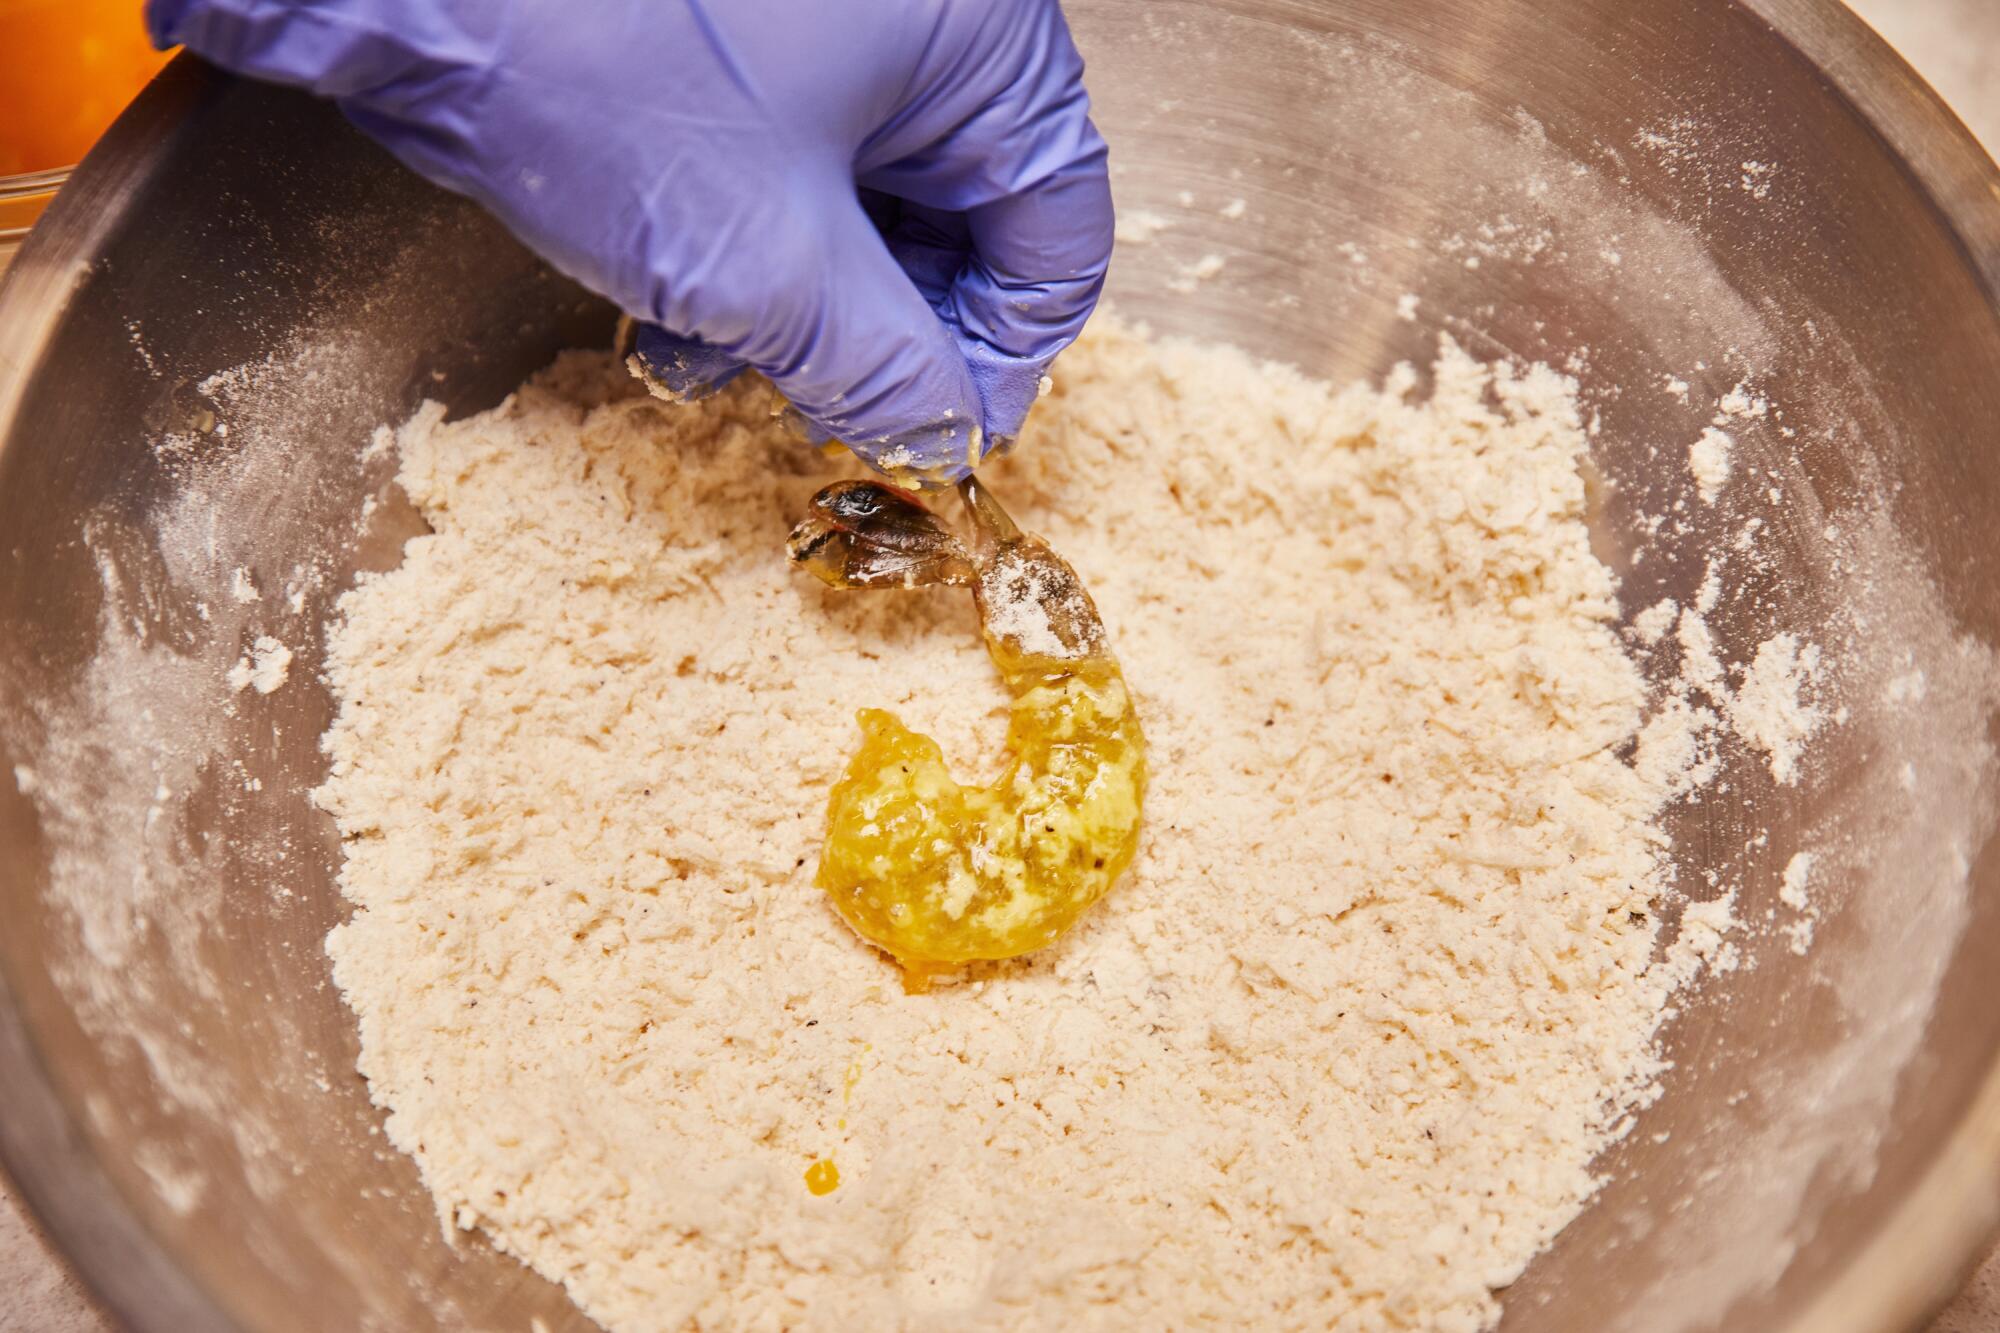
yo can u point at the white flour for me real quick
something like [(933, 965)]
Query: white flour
[(1193, 275), (265, 666), (1338, 1051), (1792, 893), (1773, 706), (1137, 227), (1709, 459)]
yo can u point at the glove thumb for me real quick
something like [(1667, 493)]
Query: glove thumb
[(809, 294)]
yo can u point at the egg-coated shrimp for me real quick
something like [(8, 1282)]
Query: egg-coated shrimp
[(938, 873)]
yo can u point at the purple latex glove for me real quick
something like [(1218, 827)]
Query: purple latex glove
[(895, 209)]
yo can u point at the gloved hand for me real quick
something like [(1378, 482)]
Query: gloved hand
[(895, 209)]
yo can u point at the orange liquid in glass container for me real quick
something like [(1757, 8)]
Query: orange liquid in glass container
[(67, 68)]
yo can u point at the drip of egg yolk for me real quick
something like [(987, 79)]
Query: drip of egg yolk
[(823, 1177)]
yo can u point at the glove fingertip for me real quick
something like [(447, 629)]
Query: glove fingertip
[(928, 457), (1008, 387), (678, 369)]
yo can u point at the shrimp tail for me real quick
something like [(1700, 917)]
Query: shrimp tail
[(994, 526)]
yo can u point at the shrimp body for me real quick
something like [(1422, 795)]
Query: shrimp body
[(938, 873)]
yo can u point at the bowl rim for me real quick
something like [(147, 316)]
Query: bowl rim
[(1920, 1251), (43, 1150), (35, 189), (1925, 1247), (33, 182)]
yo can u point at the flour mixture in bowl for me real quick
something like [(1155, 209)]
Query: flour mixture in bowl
[(1340, 1049)]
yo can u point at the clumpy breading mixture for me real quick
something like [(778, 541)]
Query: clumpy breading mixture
[(1339, 1050)]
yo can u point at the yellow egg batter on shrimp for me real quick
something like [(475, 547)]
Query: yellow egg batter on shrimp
[(933, 871)]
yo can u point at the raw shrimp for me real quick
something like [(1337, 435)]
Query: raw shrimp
[(936, 873)]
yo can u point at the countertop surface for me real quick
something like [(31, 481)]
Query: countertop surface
[(1953, 43)]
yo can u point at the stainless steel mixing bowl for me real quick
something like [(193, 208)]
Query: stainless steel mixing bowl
[(236, 289)]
